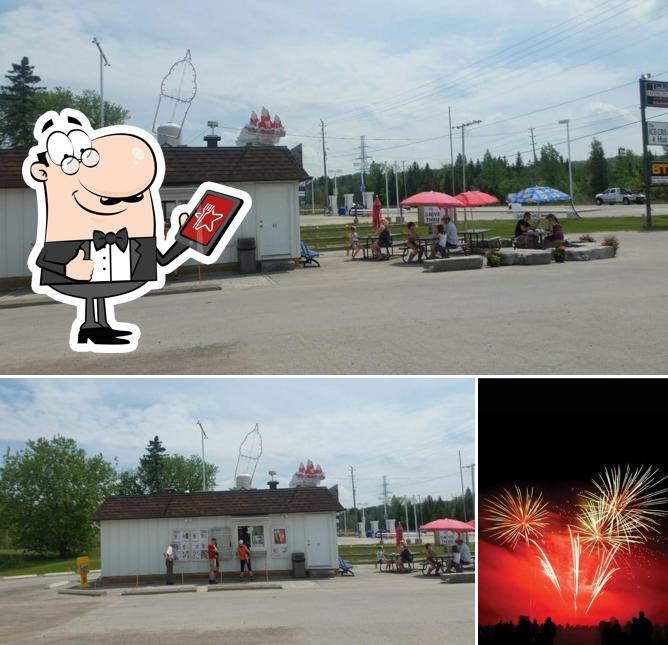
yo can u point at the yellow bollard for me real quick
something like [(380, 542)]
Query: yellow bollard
[(83, 567)]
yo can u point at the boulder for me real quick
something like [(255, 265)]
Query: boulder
[(589, 251), (525, 256), (453, 578), (459, 263)]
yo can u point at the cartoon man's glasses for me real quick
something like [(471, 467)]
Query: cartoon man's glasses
[(71, 150), (89, 158)]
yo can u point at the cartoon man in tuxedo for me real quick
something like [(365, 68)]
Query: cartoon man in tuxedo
[(98, 212)]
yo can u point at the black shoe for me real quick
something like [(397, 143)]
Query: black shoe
[(116, 332), (100, 336)]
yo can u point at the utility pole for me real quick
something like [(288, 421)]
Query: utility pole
[(407, 516), (352, 479), (533, 146), (567, 122), (396, 186), (645, 154), (417, 526), (324, 165), (461, 474), (385, 496), (203, 463), (362, 166), (472, 467), (403, 166), (452, 156), (462, 127), (103, 63)]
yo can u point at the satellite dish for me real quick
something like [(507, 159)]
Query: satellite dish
[(177, 91)]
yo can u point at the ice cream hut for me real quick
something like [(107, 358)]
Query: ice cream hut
[(274, 523)]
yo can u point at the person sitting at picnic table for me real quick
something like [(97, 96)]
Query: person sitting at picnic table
[(525, 235), (464, 552), (405, 558), (384, 240), (556, 233), (455, 563), (353, 242), (440, 244), (412, 242), (430, 557), (451, 232)]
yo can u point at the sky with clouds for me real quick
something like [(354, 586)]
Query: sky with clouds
[(387, 70), (410, 430)]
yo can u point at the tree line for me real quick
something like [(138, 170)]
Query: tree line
[(425, 511), (498, 176), (23, 100), (50, 490)]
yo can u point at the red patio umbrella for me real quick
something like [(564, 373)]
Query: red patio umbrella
[(447, 525), (476, 198), (375, 212), (432, 198), (471, 523)]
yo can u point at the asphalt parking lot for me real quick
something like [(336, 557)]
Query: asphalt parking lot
[(599, 317), (369, 608)]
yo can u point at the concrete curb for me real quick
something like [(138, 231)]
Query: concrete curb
[(36, 300), (456, 578), (82, 592), (23, 577), (151, 591), (61, 573), (252, 586)]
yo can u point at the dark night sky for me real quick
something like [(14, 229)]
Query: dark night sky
[(542, 432)]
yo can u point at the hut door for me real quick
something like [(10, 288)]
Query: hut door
[(317, 542)]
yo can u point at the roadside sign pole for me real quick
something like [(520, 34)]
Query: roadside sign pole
[(645, 156)]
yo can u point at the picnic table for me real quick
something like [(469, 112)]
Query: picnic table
[(391, 562), (473, 236), (366, 241), (423, 243), (443, 559)]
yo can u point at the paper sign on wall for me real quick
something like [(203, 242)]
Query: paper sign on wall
[(279, 542)]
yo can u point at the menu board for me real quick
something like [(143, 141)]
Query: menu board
[(224, 539), (279, 542), (190, 544)]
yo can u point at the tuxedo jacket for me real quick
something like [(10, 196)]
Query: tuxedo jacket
[(144, 259)]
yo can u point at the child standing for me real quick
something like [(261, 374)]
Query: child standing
[(380, 557), (353, 242)]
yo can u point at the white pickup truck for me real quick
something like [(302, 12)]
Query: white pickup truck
[(619, 196)]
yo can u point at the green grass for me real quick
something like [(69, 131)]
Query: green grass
[(366, 553), (18, 563), (336, 237)]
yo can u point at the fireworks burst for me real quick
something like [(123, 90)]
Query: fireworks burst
[(604, 572), (517, 517), (623, 509)]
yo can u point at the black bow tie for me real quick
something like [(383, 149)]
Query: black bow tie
[(120, 239)]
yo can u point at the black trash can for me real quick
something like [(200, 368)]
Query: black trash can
[(299, 565), (246, 253)]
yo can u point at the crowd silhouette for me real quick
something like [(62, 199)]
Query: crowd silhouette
[(637, 631)]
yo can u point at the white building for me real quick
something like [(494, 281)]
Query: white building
[(270, 174), (135, 531)]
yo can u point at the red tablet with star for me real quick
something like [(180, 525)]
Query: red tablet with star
[(207, 223)]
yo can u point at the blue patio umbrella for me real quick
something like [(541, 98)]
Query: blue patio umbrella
[(540, 195)]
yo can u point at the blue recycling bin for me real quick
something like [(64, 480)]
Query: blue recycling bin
[(342, 210)]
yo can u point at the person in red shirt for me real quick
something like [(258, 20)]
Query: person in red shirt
[(213, 561), (244, 559)]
